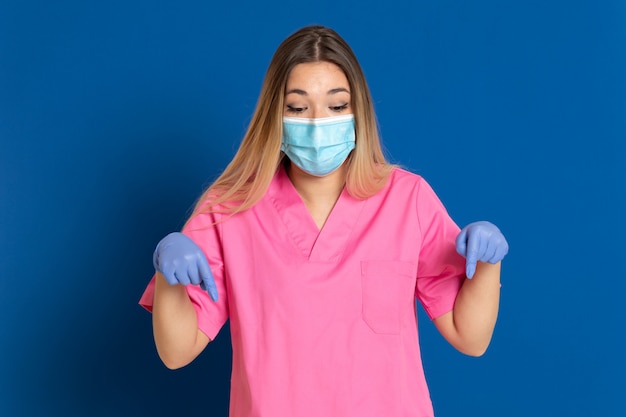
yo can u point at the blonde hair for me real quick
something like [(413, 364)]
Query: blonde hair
[(248, 176)]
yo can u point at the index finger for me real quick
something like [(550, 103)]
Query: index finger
[(208, 280)]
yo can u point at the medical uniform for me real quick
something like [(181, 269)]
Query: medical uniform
[(323, 323)]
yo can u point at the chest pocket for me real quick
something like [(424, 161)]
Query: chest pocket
[(388, 292)]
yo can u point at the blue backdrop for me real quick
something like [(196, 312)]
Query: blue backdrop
[(115, 115)]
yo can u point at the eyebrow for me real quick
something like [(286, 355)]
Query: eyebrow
[(304, 93)]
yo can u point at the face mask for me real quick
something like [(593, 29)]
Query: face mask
[(318, 146)]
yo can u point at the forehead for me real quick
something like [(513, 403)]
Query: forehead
[(316, 75)]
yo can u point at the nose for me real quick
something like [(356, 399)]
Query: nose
[(318, 112)]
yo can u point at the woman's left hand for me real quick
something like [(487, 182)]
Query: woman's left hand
[(481, 241)]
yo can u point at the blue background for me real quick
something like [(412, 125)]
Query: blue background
[(115, 115)]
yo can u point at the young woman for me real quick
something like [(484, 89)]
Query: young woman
[(315, 248)]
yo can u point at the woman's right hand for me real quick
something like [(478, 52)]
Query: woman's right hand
[(181, 261)]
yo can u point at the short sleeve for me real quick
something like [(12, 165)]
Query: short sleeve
[(205, 231), (441, 270)]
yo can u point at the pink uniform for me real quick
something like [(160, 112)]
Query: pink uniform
[(324, 323)]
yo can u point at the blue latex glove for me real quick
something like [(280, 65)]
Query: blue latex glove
[(481, 241), (181, 261)]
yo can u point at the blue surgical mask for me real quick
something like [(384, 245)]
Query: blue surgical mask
[(318, 146)]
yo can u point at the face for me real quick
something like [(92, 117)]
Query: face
[(316, 90)]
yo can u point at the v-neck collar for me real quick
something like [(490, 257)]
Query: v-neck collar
[(326, 245)]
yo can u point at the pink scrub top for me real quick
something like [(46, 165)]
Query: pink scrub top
[(323, 323)]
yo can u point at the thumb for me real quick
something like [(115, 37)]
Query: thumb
[(461, 242)]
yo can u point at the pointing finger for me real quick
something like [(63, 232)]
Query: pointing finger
[(473, 254), (208, 282)]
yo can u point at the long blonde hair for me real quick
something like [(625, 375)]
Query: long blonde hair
[(248, 176)]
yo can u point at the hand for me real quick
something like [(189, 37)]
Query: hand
[(481, 241), (181, 261)]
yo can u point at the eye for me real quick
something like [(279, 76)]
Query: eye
[(294, 109), (339, 108)]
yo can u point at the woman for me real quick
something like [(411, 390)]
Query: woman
[(315, 248)]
